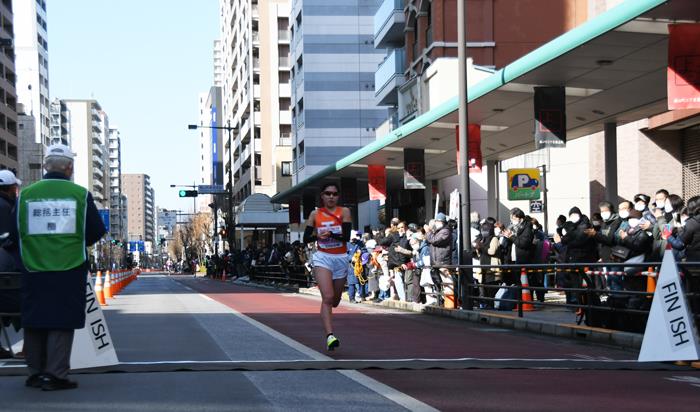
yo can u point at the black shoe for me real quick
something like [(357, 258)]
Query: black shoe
[(5, 354), (52, 383), (34, 381)]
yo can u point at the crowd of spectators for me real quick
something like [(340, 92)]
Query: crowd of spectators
[(405, 261)]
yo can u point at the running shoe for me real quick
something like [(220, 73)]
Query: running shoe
[(332, 342)]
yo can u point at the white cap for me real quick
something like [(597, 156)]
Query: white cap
[(59, 150), (7, 178)]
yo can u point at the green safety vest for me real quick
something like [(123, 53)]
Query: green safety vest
[(51, 221)]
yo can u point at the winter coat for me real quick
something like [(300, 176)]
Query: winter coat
[(691, 239), (440, 246), (638, 241), (605, 237), (522, 242), (580, 248), (56, 300)]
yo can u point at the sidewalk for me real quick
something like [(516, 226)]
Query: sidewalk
[(551, 321)]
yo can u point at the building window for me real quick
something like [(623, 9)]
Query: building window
[(286, 168)]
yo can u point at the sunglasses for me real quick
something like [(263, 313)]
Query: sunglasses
[(330, 193)]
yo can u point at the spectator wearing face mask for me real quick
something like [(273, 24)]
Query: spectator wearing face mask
[(641, 204), (604, 236), (521, 236), (580, 248), (487, 251), (667, 217), (636, 239)]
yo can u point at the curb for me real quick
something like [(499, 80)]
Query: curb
[(621, 339)]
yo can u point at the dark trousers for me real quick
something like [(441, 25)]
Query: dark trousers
[(412, 281), (47, 351)]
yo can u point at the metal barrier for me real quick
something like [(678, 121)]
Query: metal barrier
[(289, 274), (625, 309), (588, 304)]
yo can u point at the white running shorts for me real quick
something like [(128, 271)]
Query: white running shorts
[(337, 264)]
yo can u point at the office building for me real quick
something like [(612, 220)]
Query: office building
[(8, 110), (141, 207)]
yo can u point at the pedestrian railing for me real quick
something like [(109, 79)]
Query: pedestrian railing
[(290, 274), (611, 295)]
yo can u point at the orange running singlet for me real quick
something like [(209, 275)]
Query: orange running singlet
[(327, 221)]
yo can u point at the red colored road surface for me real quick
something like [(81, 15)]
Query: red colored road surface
[(370, 333)]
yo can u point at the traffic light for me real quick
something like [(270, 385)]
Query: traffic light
[(188, 193), (223, 232)]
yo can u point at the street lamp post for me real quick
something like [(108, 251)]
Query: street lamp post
[(229, 230)]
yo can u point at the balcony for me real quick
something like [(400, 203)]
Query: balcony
[(285, 90), (285, 139), (283, 36), (389, 22), (284, 62), (285, 117), (389, 77)]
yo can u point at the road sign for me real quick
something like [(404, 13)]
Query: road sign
[(104, 214), (523, 184), (536, 206), (211, 189)]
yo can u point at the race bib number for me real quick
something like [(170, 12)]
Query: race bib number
[(330, 242), (51, 217)]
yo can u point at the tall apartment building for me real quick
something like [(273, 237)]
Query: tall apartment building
[(8, 93), (141, 207), (32, 63), (31, 154), (59, 122), (118, 226), (211, 145), (218, 63), (334, 61), (89, 139), (256, 96)]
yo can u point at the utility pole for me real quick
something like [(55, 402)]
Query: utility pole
[(465, 196)]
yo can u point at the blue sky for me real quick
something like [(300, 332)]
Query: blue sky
[(145, 61)]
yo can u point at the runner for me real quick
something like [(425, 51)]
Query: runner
[(330, 227)]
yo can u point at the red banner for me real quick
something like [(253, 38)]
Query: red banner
[(295, 210), (683, 73), (377, 182), (474, 145)]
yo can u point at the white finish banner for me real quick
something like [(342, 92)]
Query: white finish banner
[(92, 345), (670, 334)]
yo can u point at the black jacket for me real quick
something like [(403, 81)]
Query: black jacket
[(56, 300), (691, 238), (580, 247), (605, 237), (522, 242), (638, 241), (397, 258)]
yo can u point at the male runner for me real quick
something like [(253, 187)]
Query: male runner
[(330, 227)]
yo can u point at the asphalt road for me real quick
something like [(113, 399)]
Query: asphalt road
[(159, 319)]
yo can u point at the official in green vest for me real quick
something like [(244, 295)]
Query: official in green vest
[(56, 220)]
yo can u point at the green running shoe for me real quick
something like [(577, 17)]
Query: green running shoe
[(332, 342)]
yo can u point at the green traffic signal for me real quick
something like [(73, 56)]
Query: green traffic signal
[(187, 193)]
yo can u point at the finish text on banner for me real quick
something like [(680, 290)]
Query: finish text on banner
[(92, 345), (670, 334)]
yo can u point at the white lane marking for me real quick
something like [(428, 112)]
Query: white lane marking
[(692, 380), (386, 391)]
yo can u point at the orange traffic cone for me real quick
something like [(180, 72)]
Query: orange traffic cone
[(108, 286), (98, 290), (651, 280), (527, 296)]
